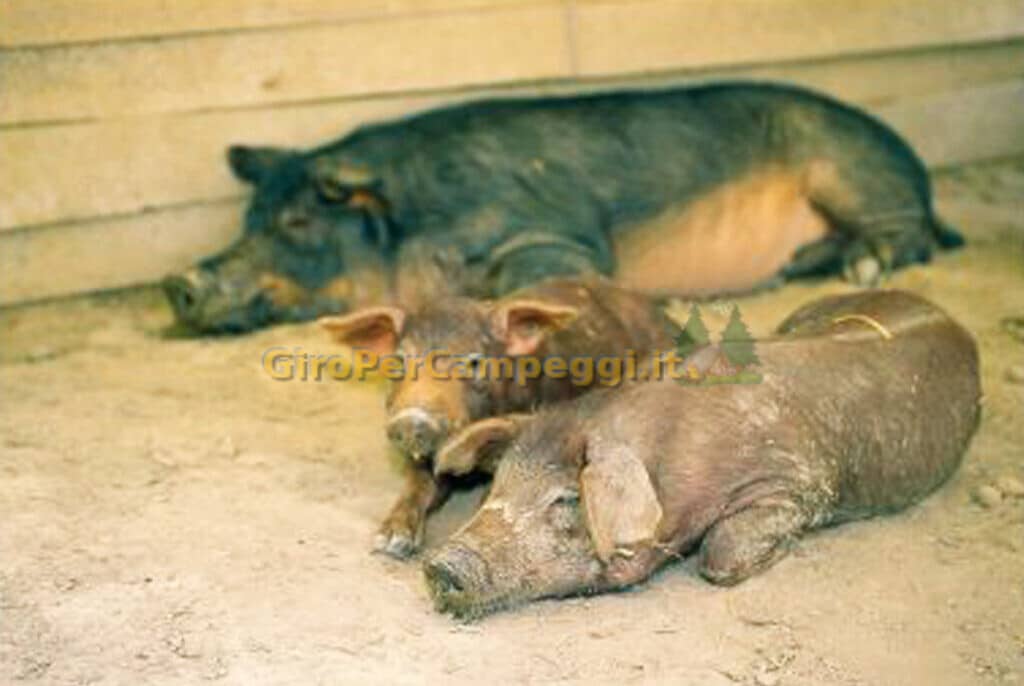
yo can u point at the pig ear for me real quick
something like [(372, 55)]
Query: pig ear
[(523, 324), (477, 447), (374, 328), (251, 164), (344, 181), (619, 501)]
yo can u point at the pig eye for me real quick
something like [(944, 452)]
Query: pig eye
[(567, 498), (564, 511), (332, 194), (476, 368), (474, 363), (296, 222)]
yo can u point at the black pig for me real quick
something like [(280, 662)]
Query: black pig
[(702, 189)]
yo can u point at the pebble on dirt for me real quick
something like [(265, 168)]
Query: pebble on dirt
[(43, 353), (987, 496), (1010, 486), (766, 679), (1015, 374)]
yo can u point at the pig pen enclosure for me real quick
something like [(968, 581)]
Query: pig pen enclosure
[(169, 514)]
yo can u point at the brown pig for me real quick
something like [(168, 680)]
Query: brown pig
[(560, 318), (866, 404)]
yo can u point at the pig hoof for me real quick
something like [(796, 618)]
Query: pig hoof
[(397, 544), (748, 542), (867, 265), (865, 272)]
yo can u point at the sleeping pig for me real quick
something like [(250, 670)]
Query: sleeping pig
[(587, 318), (866, 404), (703, 188)]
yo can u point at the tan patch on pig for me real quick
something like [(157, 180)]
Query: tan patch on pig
[(340, 288), (370, 286), (733, 238), (365, 200), (367, 287), (282, 290)]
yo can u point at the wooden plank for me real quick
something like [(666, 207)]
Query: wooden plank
[(623, 37), (63, 259), (952, 128), (452, 50), (887, 77), (61, 173), (112, 253), (34, 23), (281, 66)]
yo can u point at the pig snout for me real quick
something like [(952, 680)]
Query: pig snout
[(416, 432), (207, 302), (455, 577), (187, 294)]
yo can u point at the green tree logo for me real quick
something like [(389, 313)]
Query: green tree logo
[(694, 335), (737, 343)]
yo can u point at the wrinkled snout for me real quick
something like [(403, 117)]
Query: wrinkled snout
[(417, 432), (457, 578), (208, 302)]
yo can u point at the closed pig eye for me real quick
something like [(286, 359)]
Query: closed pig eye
[(474, 362), (567, 497), (476, 367), (332, 194), (564, 511)]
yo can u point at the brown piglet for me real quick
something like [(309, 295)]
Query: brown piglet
[(476, 376), (865, 404)]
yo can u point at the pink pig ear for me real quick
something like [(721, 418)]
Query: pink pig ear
[(620, 504), (524, 324), (373, 328), (478, 446)]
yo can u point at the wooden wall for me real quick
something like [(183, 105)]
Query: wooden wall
[(114, 114)]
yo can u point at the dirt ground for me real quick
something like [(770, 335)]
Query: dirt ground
[(170, 515)]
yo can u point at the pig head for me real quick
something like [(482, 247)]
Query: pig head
[(561, 318), (444, 392), (562, 518), (316, 240), (442, 387), (461, 358)]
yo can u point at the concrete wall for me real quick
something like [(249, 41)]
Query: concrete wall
[(114, 114)]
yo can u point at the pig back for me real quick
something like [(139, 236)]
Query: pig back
[(887, 388)]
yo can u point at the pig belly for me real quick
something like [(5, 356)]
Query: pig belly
[(733, 238)]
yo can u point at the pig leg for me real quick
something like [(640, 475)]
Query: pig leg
[(631, 567), (816, 259), (547, 230), (529, 265), (880, 217), (871, 258), (426, 271), (749, 541), (402, 531)]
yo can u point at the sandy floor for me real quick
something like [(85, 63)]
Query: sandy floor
[(168, 514)]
